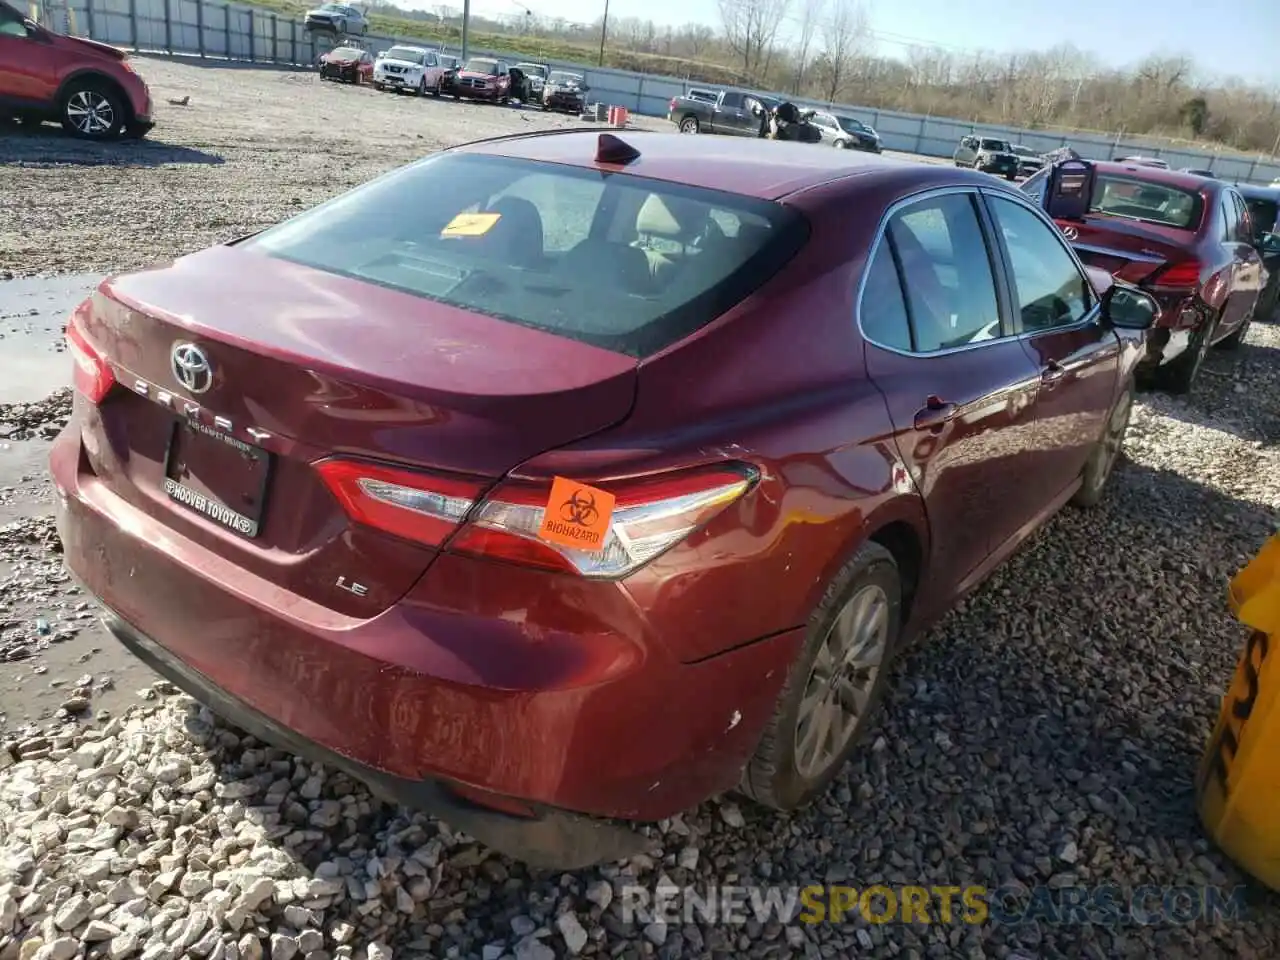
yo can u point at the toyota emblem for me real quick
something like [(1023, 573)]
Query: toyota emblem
[(1071, 233), (191, 367)]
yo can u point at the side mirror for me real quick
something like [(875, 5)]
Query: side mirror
[(1128, 308), (1069, 190), (35, 31)]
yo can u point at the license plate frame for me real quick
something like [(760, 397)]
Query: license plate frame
[(208, 505)]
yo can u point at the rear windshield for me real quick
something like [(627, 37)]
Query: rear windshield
[(406, 54), (997, 145), (617, 261), (1149, 202)]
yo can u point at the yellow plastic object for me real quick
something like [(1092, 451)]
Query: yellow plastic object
[(1239, 784)]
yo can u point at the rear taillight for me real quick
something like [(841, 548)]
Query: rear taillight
[(91, 374), (413, 505), (1183, 275), (647, 518)]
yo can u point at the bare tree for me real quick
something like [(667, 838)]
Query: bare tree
[(844, 38), (751, 29), (811, 12)]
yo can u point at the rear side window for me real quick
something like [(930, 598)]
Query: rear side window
[(930, 284), (618, 261)]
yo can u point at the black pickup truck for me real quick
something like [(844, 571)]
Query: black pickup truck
[(733, 114)]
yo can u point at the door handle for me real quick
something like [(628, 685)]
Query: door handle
[(1052, 372), (934, 415)]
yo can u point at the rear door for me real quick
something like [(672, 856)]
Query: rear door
[(1056, 314), (726, 116), (1246, 267), (959, 386), (26, 64)]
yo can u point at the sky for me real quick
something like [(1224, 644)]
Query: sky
[(1240, 39)]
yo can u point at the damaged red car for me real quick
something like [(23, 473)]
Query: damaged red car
[(1184, 238), (600, 477)]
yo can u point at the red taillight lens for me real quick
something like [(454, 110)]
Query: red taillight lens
[(408, 504), (1182, 275), (91, 375), (650, 516)]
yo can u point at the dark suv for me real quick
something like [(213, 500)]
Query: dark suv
[(89, 87), (988, 154)]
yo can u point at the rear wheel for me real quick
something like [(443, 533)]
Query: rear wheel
[(379, 87), (834, 686), (689, 125), (1103, 459), (93, 110)]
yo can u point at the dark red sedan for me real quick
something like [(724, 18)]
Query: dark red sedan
[(599, 478), (1184, 238)]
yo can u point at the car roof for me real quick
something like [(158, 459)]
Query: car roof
[(1157, 175), (761, 168), (1253, 192)]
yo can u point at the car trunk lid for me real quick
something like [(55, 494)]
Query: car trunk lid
[(304, 365), (1128, 249)]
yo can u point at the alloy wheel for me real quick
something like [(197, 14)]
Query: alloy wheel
[(91, 113), (840, 684)]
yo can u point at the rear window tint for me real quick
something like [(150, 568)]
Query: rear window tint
[(617, 261), (1149, 202)]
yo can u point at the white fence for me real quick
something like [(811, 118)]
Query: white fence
[(213, 29)]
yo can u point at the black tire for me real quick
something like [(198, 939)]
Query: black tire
[(457, 96), (380, 87), (1106, 453), (690, 124), (839, 145), (1179, 375), (92, 110), (773, 776)]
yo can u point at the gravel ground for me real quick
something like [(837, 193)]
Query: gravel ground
[(1046, 733)]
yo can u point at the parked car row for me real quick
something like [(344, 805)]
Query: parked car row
[(405, 68), (733, 113)]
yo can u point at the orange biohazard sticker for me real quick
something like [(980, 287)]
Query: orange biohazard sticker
[(470, 224), (577, 515)]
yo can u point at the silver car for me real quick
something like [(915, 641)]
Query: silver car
[(340, 18)]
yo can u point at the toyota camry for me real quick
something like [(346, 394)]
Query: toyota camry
[(602, 475)]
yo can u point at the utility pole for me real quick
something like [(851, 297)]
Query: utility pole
[(466, 18), (604, 27)]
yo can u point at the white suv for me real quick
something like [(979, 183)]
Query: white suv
[(415, 69)]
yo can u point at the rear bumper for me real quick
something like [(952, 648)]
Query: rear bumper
[(551, 838), (486, 676)]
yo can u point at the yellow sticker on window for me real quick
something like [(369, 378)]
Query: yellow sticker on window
[(470, 224)]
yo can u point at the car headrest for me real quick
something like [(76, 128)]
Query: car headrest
[(670, 217)]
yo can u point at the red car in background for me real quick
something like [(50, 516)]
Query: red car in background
[(1184, 238), (91, 88), (482, 78), (610, 479), (347, 64)]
